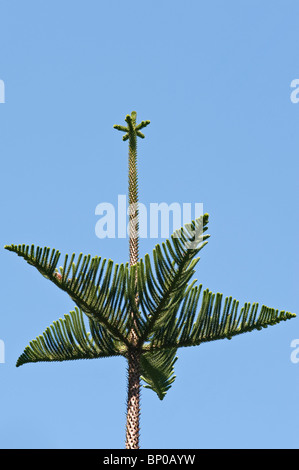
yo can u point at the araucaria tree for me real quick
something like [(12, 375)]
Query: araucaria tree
[(144, 309)]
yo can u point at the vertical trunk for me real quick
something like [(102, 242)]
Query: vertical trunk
[(133, 402), (133, 405)]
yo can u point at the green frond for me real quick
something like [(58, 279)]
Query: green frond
[(190, 326), (157, 370), (163, 286), (140, 134), (132, 130), (94, 284), (142, 125), (120, 128), (67, 340)]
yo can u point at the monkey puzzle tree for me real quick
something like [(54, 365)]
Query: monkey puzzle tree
[(144, 309)]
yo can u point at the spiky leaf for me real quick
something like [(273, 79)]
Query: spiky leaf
[(157, 370), (67, 340), (163, 287), (96, 285), (213, 320)]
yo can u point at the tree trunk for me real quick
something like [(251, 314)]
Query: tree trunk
[(133, 403)]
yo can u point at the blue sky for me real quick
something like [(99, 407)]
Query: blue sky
[(214, 79)]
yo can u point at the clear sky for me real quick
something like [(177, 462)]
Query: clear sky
[(214, 79)]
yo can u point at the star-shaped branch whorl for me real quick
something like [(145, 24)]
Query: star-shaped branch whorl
[(132, 130)]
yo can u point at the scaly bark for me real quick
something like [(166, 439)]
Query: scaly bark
[(133, 400)]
